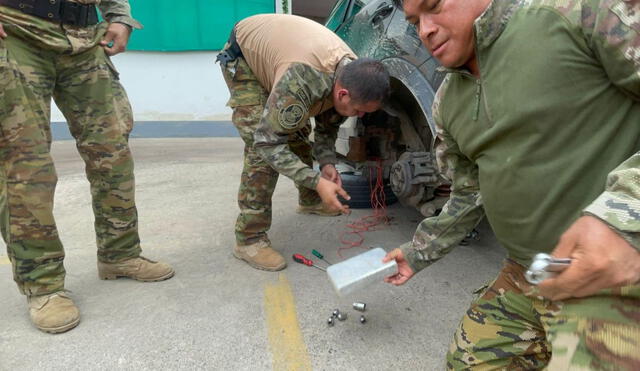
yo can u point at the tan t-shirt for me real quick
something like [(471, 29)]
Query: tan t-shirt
[(270, 43)]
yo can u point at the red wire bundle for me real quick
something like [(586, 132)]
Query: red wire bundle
[(368, 222)]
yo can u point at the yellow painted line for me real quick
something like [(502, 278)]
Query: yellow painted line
[(4, 260), (285, 339)]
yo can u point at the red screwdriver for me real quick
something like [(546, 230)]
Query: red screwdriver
[(298, 258)]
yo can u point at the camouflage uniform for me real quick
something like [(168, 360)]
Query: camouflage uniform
[(275, 128), (509, 327), (38, 60), (548, 133)]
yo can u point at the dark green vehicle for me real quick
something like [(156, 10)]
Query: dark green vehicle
[(402, 136)]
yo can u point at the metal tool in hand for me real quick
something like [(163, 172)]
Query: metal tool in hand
[(298, 258), (319, 256), (545, 266)]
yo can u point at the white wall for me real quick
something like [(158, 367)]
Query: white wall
[(184, 86), (179, 86)]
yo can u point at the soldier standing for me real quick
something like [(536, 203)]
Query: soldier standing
[(281, 70), (539, 129), (58, 48)]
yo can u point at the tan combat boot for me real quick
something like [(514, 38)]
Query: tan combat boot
[(53, 313), (261, 256), (140, 268), (317, 209)]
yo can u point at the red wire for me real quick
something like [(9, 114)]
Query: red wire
[(369, 222)]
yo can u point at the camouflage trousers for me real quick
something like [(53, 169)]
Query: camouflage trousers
[(258, 180), (85, 87), (509, 327)]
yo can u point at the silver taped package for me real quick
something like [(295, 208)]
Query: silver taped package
[(355, 273)]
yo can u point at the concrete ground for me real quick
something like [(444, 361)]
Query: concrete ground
[(217, 312)]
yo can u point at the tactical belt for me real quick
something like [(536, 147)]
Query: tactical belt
[(232, 52), (59, 11)]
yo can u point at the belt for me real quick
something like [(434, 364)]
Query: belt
[(232, 52), (61, 11)]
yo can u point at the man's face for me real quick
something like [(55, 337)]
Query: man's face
[(446, 28), (346, 106)]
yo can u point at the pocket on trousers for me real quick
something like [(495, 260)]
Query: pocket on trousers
[(4, 77), (244, 87), (12, 96), (242, 71), (112, 68), (4, 68)]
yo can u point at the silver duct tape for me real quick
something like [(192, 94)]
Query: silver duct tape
[(360, 271)]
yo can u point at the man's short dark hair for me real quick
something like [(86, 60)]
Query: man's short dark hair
[(366, 79)]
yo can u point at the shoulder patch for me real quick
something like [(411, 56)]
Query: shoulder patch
[(290, 116)]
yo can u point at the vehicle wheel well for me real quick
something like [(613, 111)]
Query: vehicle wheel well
[(402, 97)]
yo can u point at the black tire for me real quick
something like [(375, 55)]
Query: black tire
[(357, 186)]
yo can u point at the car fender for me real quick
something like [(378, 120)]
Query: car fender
[(411, 77)]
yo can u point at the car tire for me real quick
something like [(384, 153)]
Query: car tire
[(357, 186)]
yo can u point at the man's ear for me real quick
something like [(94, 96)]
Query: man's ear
[(343, 93)]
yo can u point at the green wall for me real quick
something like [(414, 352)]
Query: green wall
[(177, 25)]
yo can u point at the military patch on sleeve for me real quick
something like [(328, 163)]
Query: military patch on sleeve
[(290, 116)]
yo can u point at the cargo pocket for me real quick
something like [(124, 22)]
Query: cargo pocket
[(5, 71), (15, 106), (120, 100), (3, 54), (4, 77), (112, 68), (244, 87)]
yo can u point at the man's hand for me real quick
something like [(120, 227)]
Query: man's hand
[(601, 259), (329, 192), (2, 33), (404, 270), (329, 172), (115, 39)]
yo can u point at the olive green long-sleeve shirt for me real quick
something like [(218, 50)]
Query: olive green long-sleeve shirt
[(549, 132)]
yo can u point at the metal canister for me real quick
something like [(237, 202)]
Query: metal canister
[(360, 307)]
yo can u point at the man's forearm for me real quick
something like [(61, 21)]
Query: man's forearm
[(324, 147), (619, 204), (437, 236), (285, 162)]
